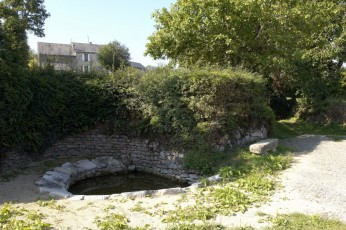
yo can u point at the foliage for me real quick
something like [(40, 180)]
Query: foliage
[(113, 56), (330, 111), (13, 218), (186, 226), (113, 221), (51, 204), (305, 222), (44, 105), (190, 213), (204, 160), (298, 46), (116, 222), (201, 103), (190, 108), (197, 107), (17, 18)]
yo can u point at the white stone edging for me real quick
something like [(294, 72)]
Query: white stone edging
[(57, 181)]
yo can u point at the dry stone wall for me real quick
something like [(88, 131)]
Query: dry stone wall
[(144, 155), (14, 160), (140, 154)]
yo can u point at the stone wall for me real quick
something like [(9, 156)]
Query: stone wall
[(144, 155), (14, 160)]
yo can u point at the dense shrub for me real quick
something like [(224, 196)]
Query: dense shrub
[(188, 108), (191, 109), (209, 103), (40, 106), (324, 103), (329, 111)]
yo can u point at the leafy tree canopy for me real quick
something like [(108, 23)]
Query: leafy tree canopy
[(16, 18), (275, 38), (28, 14), (114, 55)]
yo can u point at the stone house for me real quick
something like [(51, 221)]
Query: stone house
[(75, 56)]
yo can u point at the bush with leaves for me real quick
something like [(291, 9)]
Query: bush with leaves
[(194, 108), (202, 102)]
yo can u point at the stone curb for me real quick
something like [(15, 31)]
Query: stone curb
[(56, 182)]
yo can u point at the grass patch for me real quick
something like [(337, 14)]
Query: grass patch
[(139, 208), (15, 218), (189, 226), (116, 221), (113, 221), (305, 222), (247, 179), (293, 127), (52, 204)]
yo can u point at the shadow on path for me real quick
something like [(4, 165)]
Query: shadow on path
[(304, 144)]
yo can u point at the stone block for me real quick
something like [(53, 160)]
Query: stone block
[(263, 146), (86, 165), (131, 167)]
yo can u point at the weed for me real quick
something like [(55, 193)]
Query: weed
[(51, 204), (183, 198), (189, 226), (305, 222), (259, 213), (190, 213), (161, 203), (109, 207), (14, 218), (248, 179), (139, 208), (242, 228), (113, 221), (117, 222)]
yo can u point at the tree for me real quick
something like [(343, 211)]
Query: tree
[(18, 17), (274, 38), (114, 55)]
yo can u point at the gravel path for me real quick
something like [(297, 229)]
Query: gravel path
[(315, 184)]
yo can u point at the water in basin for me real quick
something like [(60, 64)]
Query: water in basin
[(131, 182)]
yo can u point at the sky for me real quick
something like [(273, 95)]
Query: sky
[(100, 22)]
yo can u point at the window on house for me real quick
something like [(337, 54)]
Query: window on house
[(85, 69), (86, 57)]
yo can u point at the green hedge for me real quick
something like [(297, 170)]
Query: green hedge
[(187, 107), (206, 102), (190, 109), (40, 106)]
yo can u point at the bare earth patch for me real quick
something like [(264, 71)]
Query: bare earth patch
[(315, 184)]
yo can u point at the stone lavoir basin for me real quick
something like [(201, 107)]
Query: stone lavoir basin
[(126, 182), (104, 178)]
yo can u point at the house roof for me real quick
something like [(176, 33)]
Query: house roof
[(86, 47), (55, 49), (137, 65), (67, 49)]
